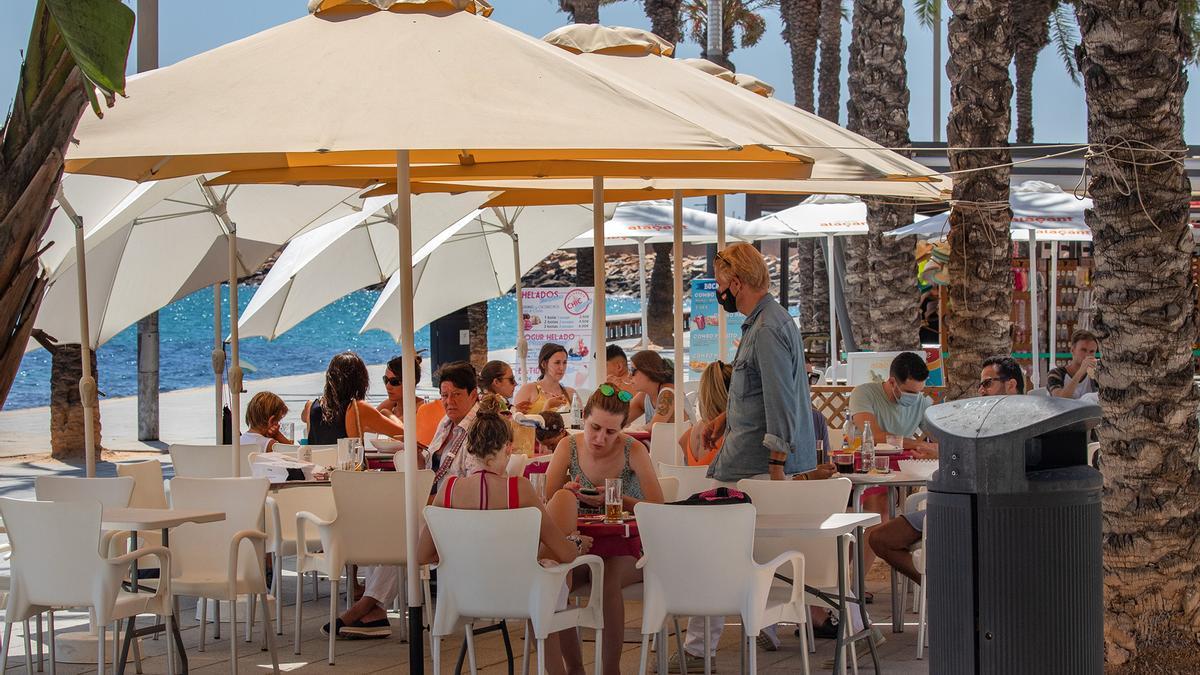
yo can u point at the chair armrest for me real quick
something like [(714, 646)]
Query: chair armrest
[(258, 537), (594, 563), (765, 573), (303, 518), (641, 562), (273, 519), (162, 594)]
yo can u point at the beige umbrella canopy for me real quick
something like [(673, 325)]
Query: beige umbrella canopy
[(419, 87)]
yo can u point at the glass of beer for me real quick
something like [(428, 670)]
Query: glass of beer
[(613, 506)]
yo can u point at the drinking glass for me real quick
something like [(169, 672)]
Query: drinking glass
[(844, 462), (288, 430), (895, 441), (883, 465), (822, 458), (613, 505), (539, 485)]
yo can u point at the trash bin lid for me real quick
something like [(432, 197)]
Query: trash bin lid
[(994, 417)]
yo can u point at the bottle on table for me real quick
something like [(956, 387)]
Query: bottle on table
[(867, 461)]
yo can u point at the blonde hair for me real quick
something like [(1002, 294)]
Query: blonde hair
[(714, 389), (746, 263), (262, 407)]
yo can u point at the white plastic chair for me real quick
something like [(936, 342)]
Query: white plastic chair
[(208, 461), (913, 503), (224, 559), (282, 508), (516, 465), (488, 568), (148, 492), (664, 444), (729, 581), (692, 479), (56, 564), (109, 492), (802, 496), (1040, 391), (368, 529), (670, 488), (919, 562)]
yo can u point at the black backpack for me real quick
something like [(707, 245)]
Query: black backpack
[(715, 497)]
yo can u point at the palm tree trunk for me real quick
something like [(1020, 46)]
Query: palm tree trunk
[(803, 290), (664, 19), (477, 319), (829, 75), (1132, 58), (66, 405), (857, 255), (819, 296), (48, 104), (980, 293), (1031, 32), (660, 323), (585, 266), (878, 109), (800, 27), (581, 11)]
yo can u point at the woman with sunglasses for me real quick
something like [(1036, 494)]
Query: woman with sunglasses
[(496, 377), (581, 463), (393, 405), (548, 391)]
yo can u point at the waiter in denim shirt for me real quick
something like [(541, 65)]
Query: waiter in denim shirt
[(768, 424)]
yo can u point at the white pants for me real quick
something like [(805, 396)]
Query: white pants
[(383, 584)]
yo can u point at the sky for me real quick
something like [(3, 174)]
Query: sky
[(187, 27)]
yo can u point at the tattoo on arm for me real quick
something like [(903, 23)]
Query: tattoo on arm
[(666, 404)]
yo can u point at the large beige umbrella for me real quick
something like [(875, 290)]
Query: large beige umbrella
[(461, 97)]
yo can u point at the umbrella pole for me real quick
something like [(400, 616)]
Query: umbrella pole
[(1052, 336), (235, 366), (413, 501), (599, 313), (830, 272), (522, 345), (1035, 357), (87, 383), (677, 253), (218, 360), (642, 290), (722, 317)]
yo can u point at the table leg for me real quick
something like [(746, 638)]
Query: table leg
[(180, 652), (897, 601), (860, 591), (843, 616)]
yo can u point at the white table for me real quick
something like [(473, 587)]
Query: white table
[(136, 520), (837, 526), (897, 481)]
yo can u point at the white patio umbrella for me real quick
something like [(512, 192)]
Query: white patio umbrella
[(1041, 211), (342, 256), (641, 223), (480, 257)]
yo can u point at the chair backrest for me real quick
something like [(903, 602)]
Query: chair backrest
[(316, 499), (516, 465), (487, 559), (110, 492), (55, 551), (208, 461), (371, 514), (204, 548), (692, 479), (800, 496), (429, 415), (147, 478), (1040, 391), (916, 502), (674, 537), (670, 488), (664, 444), (691, 402)]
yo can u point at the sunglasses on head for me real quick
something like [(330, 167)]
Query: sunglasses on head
[(393, 381), (623, 396)]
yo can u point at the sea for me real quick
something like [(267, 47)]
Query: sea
[(186, 341)]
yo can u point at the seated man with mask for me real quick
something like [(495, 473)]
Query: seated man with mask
[(897, 405)]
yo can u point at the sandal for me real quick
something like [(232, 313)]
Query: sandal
[(368, 630)]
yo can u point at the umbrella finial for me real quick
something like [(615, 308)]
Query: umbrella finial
[(472, 6)]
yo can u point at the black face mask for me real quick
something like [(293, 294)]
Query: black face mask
[(728, 301)]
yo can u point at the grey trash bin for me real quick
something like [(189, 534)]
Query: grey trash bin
[(1014, 571)]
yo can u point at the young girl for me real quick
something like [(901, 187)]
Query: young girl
[(263, 415), (714, 397), (549, 435)]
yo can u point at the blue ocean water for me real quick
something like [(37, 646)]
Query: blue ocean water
[(186, 341)]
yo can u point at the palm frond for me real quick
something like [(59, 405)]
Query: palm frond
[(929, 12), (1065, 34)]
